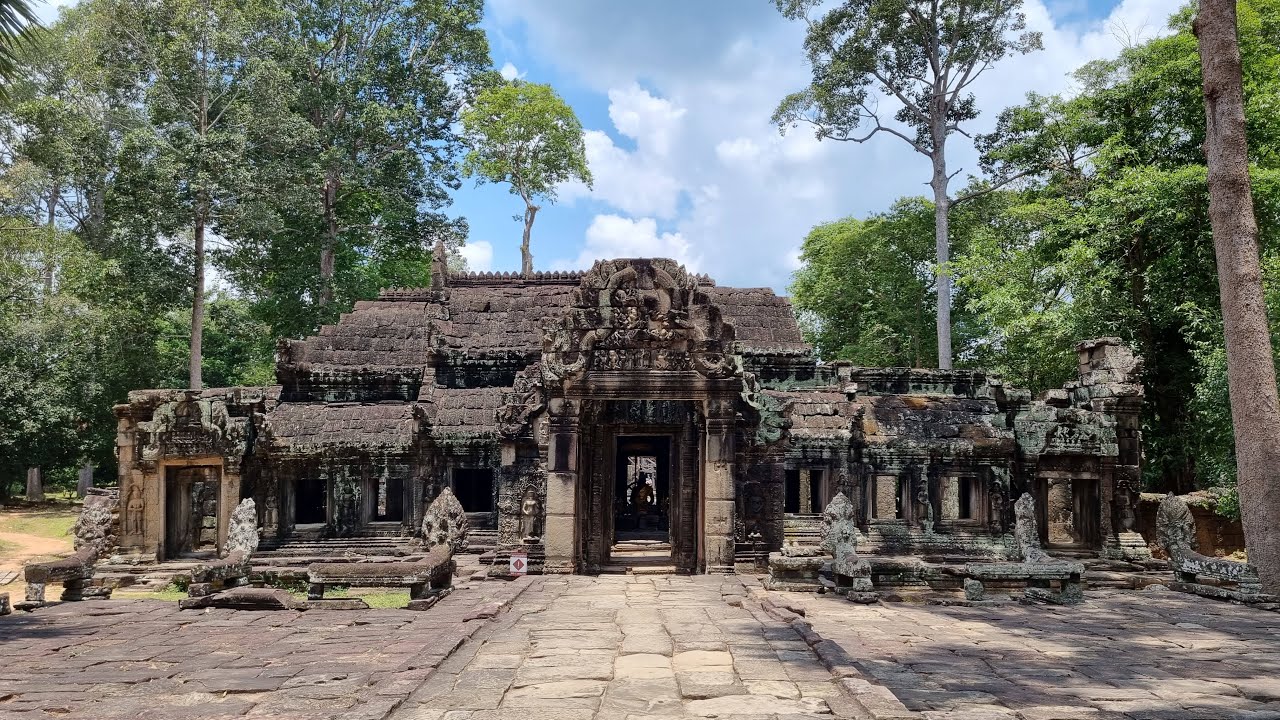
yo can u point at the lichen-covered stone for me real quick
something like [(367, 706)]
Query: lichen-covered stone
[(1176, 532), (96, 525), (445, 523), (242, 533), (1025, 532), (513, 391)]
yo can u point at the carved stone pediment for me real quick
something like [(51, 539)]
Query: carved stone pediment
[(645, 314), (192, 427)]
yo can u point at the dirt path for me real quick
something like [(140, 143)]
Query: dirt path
[(30, 546)]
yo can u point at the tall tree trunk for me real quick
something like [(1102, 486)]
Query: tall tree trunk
[(197, 306), (526, 256), (330, 238), (51, 222), (1251, 372), (941, 220)]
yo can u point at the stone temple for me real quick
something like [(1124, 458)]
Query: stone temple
[(578, 414)]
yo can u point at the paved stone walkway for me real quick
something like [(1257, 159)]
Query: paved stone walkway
[(631, 648), (642, 647), (145, 659), (1120, 655)]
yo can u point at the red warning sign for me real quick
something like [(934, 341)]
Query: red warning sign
[(519, 563)]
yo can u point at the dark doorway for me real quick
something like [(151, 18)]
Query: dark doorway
[(791, 491), (309, 501), (642, 488), (191, 510), (474, 488), (1068, 510), (389, 500)]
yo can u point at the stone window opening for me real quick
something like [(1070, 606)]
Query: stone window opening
[(806, 490), (886, 499), (474, 489), (961, 499)]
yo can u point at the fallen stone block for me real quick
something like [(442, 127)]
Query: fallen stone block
[(244, 598)]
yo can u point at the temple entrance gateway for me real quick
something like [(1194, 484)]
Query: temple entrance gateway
[(637, 404), (641, 501), (191, 510)]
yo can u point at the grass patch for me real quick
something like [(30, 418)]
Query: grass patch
[(45, 523), (170, 594), (7, 548), (379, 597)]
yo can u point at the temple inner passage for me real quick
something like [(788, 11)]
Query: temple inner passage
[(636, 413)]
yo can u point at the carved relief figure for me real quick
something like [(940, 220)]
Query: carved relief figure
[(530, 516), (133, 511)]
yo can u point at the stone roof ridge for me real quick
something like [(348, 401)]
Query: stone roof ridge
[(540, 277)]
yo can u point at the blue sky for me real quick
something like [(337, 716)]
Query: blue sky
[(675, 96)]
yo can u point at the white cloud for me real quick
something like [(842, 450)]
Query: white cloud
[(633, 182), (651, 121), (478, 254), (698, 105), (738, 151), (509, 72), (613, 236)]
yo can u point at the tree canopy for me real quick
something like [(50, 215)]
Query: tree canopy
[(523, 134)]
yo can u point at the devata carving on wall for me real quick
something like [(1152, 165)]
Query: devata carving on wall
[(573, 413)]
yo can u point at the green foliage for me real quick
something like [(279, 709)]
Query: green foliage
[(525, 135), (1107, 233), (922, 55), (17, 25), (237, 347), (356, 155), (285, 133), (865, 290)]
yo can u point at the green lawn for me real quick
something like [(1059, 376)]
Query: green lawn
[(43, 522)]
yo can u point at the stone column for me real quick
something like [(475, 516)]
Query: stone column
[(228, 499), (560, 536), (806, 491), (718, 491), (35, 485), (84, 482)]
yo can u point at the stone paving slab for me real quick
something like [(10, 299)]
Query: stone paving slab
[(635, 647), (1121, 655), (104, 659)]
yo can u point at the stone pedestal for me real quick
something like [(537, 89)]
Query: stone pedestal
[(854, 582), (796, 573)]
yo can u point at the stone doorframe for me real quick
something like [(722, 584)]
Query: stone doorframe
[(566, 459), (598, 489), (143, 499)]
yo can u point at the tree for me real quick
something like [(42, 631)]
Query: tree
[(525, 135), (195, 58), (922, 55), (865, 289), (17, 23), (1251, 373), (355, 169)]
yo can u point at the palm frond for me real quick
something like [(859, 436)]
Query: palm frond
[(18, 24)]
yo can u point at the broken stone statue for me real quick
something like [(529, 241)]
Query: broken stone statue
[(1176, 533), (840, 538), (1038, 571)]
